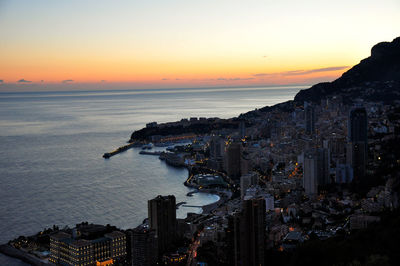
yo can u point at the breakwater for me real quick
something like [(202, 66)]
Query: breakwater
[(107, 155)]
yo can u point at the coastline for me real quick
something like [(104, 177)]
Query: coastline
[(12, 252), (223, 195)]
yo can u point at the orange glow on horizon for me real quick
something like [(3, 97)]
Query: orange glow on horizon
[(185, 43)]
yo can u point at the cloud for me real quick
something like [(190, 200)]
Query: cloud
[(42, 81), (165, 79), (66, 81), (262, 74), (301, 71), (1, 81), (234, 79), (24, 81), (316, 70), (103, 80)]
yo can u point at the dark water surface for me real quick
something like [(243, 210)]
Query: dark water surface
[(51, 143)]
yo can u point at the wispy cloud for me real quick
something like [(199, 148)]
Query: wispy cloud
[(66, 81), (316, 70), (263, 74), (164, 79), (103, 80), (233, 79), (301, 71), (1, 81), (24, 81)]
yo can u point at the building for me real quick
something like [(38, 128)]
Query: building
[(356, 156), (309, 117), (242, 129), (269, 202), (151, 125), (249, 233), (233, 157), (162, 219), (246, 181), (106, 250), (358, 125), (357, 147), (361, 221), (142, 246), (315, 170), (344, 173), (217, 149)]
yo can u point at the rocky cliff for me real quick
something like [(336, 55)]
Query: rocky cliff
[(374, 78)]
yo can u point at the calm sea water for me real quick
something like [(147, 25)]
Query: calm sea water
[(51, 143)]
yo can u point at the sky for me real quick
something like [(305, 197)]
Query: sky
[(55, 44)]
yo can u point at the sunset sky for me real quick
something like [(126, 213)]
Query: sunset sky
[(169, 43)]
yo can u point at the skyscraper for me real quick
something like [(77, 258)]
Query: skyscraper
[(344, 173), (356, 156), (233, 157), (358, 125), (357, 148), (162, 219), (246, 181), (217, 146), (315, 169), (309, 115), (242, 129), (250, 233), (142, 246)]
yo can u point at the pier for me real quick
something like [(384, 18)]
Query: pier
[(107, 155), (190, 194), (180, 203)]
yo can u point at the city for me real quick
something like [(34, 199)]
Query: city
[(289, 178)]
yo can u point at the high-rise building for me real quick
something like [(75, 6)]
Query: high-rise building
[(142, 246), (357, 148), (310, 171), (246, 181), (309, 116), (315, 170), (356, 156), (249, 227), (358, 125), (242, 129), (217, 149), (162, 219), (233, 157), (344, 173), (217, 146)]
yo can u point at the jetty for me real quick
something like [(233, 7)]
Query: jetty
[(107, 155), (180, 203)]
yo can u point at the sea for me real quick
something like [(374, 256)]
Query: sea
[(51, 146)]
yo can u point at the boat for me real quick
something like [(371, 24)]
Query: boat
[(147, 146)]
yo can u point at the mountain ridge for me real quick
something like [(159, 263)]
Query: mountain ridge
[(381, 67)]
